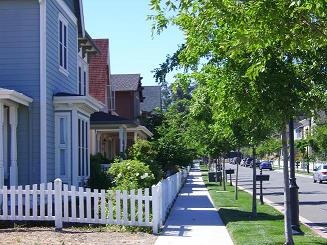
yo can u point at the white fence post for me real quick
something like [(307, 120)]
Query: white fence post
[(155, 208), (58, 204)]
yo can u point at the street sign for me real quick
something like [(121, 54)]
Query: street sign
[(230, 171), (262, 177)]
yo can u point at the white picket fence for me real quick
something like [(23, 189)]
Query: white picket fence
[(62, 203)]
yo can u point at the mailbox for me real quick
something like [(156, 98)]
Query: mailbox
[(262, 177), (229, 171)]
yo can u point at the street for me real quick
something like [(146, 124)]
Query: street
[(312, 196)]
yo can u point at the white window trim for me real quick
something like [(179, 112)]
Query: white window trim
[(65, 23), (67, 146)]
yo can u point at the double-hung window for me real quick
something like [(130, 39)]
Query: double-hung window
[(63, 44)]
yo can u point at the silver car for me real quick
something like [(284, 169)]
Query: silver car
[(320, 173)]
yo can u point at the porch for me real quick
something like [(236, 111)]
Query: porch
[(112, 135), (10, 100)]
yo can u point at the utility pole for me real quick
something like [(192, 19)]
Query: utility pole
[(294, 189)]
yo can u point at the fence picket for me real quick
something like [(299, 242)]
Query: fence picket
[(96, 207), (110, 207), (34, 201), (49, 202), (118, 214), (140, 207), (12, 195), (88, 205), (20, 203), (27, 202), (5, 202), (81, 203), (125, 212), (73, 203), (132, 203), (42, 203), (147, 206), (65, 195), (103, 206)]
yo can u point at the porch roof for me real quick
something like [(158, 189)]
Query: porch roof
[(12, 95), (86, 103), (106, 122), (106, 118)]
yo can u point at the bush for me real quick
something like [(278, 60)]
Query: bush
[(143, 151), (99, 179), (131, 174)]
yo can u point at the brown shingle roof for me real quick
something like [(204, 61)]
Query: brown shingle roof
[(125, 82)]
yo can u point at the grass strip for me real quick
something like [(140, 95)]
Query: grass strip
[(266, 228)]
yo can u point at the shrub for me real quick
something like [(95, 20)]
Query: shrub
[(131, 174), (99, 179), (143, 151)]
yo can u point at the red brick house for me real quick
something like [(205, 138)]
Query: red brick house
[(117, 127)]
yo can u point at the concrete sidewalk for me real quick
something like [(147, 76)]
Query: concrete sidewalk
[(194, 219)]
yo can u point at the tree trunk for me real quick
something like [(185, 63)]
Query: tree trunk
[(236, 182), (254, 186), (223, 175), (287, 211)]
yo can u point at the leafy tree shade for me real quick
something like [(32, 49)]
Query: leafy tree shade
[(254, 57)]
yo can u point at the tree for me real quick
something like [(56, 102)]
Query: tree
[(270, 61)]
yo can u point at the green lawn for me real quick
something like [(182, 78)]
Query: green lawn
[(266, 228)]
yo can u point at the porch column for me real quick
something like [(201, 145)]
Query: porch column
[(125, 139), (13, 116), (135, 136), (1, 145), (121, 139), (93, 136), (98, 142)]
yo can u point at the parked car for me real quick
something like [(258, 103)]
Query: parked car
[(265, 165), (243, 162), (257, 163), (320, 173)]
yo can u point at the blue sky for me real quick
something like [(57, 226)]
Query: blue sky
[(133, 49)]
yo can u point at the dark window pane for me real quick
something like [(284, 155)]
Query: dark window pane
[(65, 36), (84, 93), (60, 31), (60, 54), (79, 80), (65, 58)]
